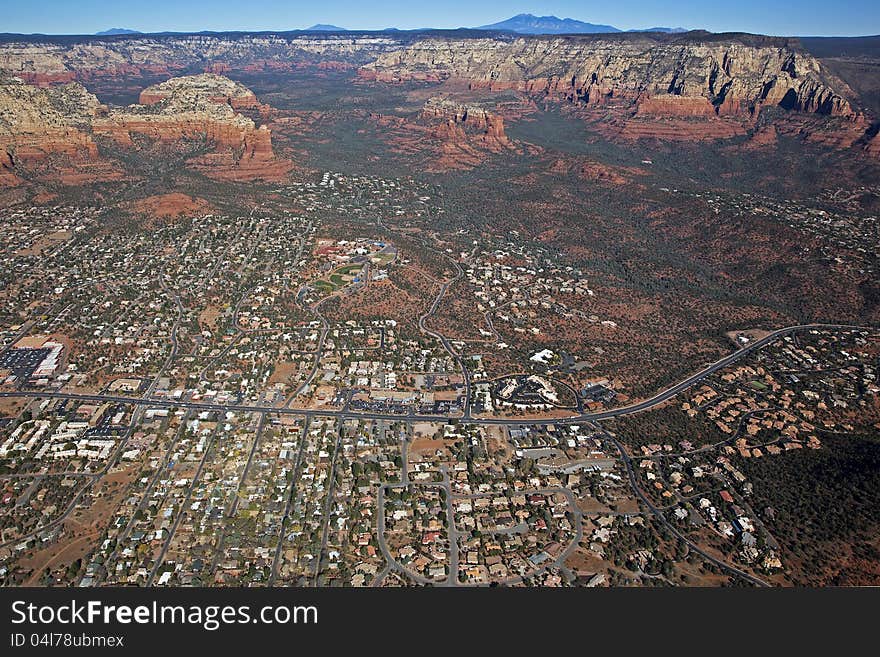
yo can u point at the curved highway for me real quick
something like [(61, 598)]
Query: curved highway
[(637, 407)]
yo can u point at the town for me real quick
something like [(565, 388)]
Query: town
[(270, 400)]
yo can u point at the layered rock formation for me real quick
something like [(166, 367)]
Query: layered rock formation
[(685, 77), (41, 124), (729, 74), (51, 61), (462, 123), (213, 87), (686, 86), (201, 107), (454, 135), (37, 124)]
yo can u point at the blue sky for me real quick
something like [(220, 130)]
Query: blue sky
[(780, 17)]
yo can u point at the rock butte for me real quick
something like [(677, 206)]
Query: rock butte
[(200, 108), (216, 88), (633, 86), (665, 89), (37, 123), (461, 123), (454, 135)]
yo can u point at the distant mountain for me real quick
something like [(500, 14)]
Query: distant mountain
[(117, 30), (530, 24), (321, 27), (668, 30)]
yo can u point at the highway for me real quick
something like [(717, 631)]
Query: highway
[(630, 409), (636, 407), (658, 513)]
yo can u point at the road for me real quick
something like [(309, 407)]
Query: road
[(630, 409), (661, 517), (294, 480), (328, 502), (319, 351), (182, 511), (392, 563), (436, 304), (181, 311), (161, 471), (445, 341), (247, 466)]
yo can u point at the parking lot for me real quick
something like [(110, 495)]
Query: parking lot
[(22, 362)]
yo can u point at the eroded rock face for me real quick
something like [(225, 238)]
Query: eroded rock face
[(195, 88), (49, 129), (637, 86), (36, 123), (463, 123), (186, 107), (206, 106), (449, 134), (691, 78), (202, 107), (697, 87), (54, 61), (735, 75)]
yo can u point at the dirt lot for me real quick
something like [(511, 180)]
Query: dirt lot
[(11, 407), (423, 446), (171, 206), (283, 372), (209, 316), (83, 527), (45, 243)]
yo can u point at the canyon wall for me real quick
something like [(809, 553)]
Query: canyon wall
[(65, 59), (686, 78), (690, 73), (65, 121), (39, 124), (693, 86)]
